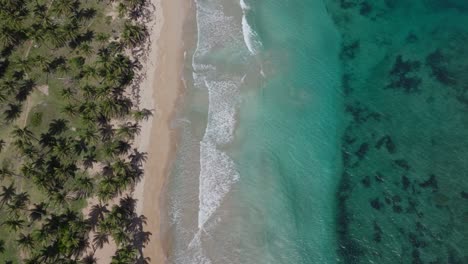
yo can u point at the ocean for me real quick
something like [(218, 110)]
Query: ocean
[(323, 131)]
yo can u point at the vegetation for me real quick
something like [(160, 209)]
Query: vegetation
[(68, 125)]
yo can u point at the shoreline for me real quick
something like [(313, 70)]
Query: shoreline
[(161, 91)]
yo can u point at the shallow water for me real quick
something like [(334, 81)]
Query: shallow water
[(323, 131)]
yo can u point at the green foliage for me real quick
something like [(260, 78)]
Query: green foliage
[(36, 119), (73, 141)]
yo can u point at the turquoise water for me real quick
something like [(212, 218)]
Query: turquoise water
[(402, 197), (322, 131), (290, 134)]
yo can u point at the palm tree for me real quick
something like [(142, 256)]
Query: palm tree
[(99, 240), (8, 86), (14, 224), (127, 205), (129, 130), (64, 7), (43, 63), (12, 112), (97, 213), (19, 202), (10, 36), (24, 64), (22, 133), (107, 132), (89, 91), (25, 89), (38, 211), (2, 144), (58, 126), (25, 242), (7, 194), (137, 158), (143, 114), (89, 160), (84, 186), (89, 259), (86, 49), (134, 4), (122, 147), (102, 38), (70, 109), (89, 71), (47, 140), (2, 246), (124, 255), (133, 34)]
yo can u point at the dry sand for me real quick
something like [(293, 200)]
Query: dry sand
[(161, 91)]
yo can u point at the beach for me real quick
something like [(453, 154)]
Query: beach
[(161, 91)]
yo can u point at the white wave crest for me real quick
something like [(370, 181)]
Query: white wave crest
[(251, 38), (244, 5)]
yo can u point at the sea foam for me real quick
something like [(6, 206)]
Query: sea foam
[(217, 34), (251, 38)]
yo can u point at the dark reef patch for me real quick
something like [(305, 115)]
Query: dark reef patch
[(361, 113), (365, 8), (377, 237), (366, 181), (376, 204), (379, 177), (402, 164), (464, 195), (349, 50), (388, 142), (439, 68), (402, 75), (362, 151), (431, 182), (405, 182), (405, 90)]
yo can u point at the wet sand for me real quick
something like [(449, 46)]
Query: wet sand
[(162, 91)]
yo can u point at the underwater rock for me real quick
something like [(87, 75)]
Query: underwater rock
[(400, 78), (349, 50), (397, 209), (348, 138), (411, 38), (361, 113), (379, 177), (365, 8), (376, 204), (405, 182), (412, 204), (416, 257), (390, 3), (346, 83), (396, 199), (366, 182), (362, 151), (377, 232), (415, 241), (389, 145), (464, 195), (402, 164), (388, 200), (439, 68), (346, 4), (431, 182)]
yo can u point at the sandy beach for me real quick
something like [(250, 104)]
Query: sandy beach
[(161, 90)]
